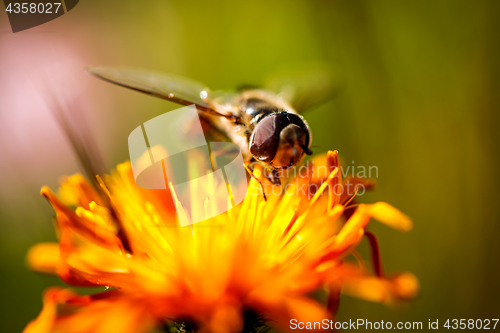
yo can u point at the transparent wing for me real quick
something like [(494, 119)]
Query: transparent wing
[(171, 87), (306, 86), (212, 133)]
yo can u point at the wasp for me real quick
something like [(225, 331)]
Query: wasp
[(265, 123)]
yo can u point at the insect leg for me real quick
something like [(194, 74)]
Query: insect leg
[(274, 177), (249, 167)]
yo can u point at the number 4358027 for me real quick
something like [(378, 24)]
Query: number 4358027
[(27, 7), (485, 324)]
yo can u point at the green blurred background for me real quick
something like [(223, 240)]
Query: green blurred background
[(418, 96)]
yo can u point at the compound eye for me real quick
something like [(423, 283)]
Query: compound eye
[(266, 136), (294, 119)]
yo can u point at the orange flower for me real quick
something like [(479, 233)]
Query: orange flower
[(260, 260)]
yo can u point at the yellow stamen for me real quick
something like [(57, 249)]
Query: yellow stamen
[(323, 186)]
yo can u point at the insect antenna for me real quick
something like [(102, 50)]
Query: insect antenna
[(307, 150)]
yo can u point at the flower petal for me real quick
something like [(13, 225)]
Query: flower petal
[(303, 309), (46, 319), (67, 312), (387, 214), (44, 257), (85, 228), (402, 286), (226, 318), (336, 183), (77, 191)]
